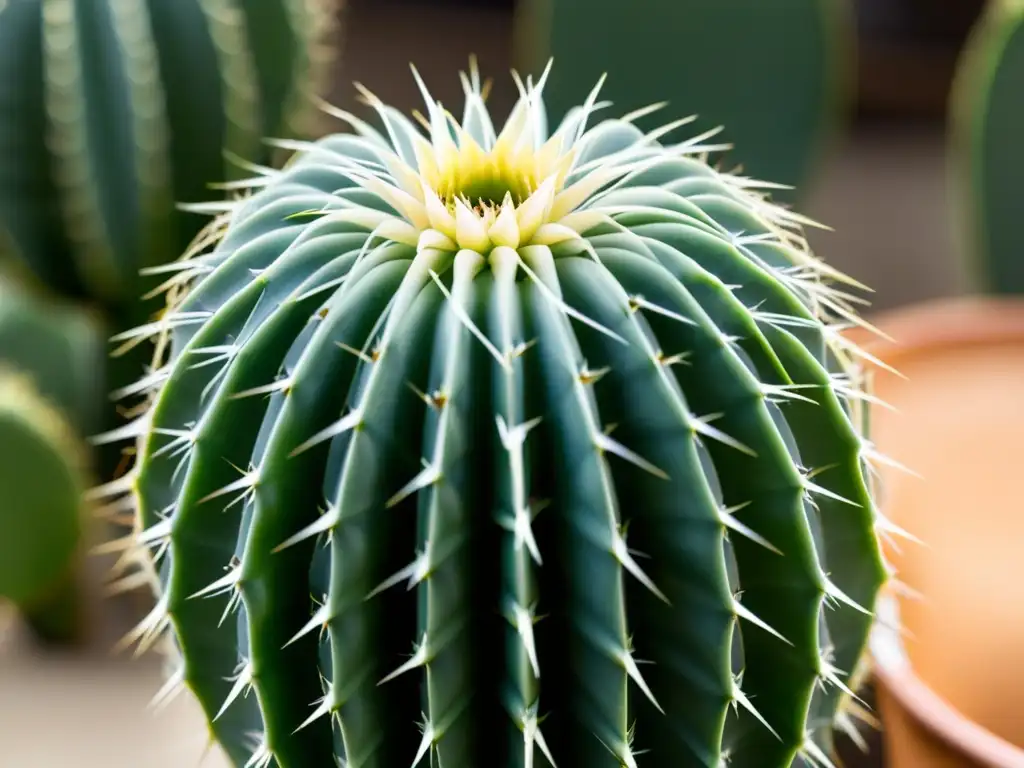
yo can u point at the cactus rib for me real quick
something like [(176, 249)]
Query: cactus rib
[(136, 107)]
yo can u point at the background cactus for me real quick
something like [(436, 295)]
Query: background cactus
[(52, 391), (113, 112), (61, 347), (42, 482), (778, 76), (416, 396), (986, 122)]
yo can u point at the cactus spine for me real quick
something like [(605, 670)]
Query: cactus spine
[(987, 122), (452, 432), (117, 110), (112, 112)]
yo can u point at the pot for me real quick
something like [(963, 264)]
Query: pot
[(949, 661)]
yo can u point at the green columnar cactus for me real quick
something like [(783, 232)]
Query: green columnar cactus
[(112, 112), (777, 75), (42, 481), (509, 448), (987, 122)]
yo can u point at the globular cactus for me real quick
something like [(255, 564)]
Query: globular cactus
[(61, 347), (52, 393), (42, 519), (987, 122), (509, 448), (779, 76), (112, 112)]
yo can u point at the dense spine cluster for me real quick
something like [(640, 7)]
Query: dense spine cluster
[(118, 110), (514, 448)]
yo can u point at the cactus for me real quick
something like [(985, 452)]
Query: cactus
[(42, 480), (52, 392), (508, 448), (112, 112), (986, 124), (61, 347), (777, 75)]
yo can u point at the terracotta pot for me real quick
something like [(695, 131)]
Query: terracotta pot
[(951, 681)]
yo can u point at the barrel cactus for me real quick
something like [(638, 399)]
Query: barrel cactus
[(115, 111), (525, 447), (43, 475)]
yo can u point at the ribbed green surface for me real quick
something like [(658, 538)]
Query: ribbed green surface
[(28, 199), (777, 75), (61, 347), (52, 392), (407, 499), (112, 112), (987, 119), (41, 484)]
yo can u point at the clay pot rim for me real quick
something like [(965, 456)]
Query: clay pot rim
[(943, 324), (944, 721), (917, 330)]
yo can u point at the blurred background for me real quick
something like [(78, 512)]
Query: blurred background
[(878, 176)]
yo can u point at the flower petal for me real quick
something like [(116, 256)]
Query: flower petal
[(470, 231), (550, 234), (536, 209), (434, 240), (440, 218), (505, 230)]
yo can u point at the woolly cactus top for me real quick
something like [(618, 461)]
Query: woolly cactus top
[(466, 185), (469, 361)]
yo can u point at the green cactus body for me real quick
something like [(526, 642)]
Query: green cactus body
[(987, 122), (509, 448), (115, 111), (42, 480), (62, 348), (776, 75)]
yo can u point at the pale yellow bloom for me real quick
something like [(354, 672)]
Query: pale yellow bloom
[(476, 189)]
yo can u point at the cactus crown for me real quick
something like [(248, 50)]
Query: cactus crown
[(422, 387)]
